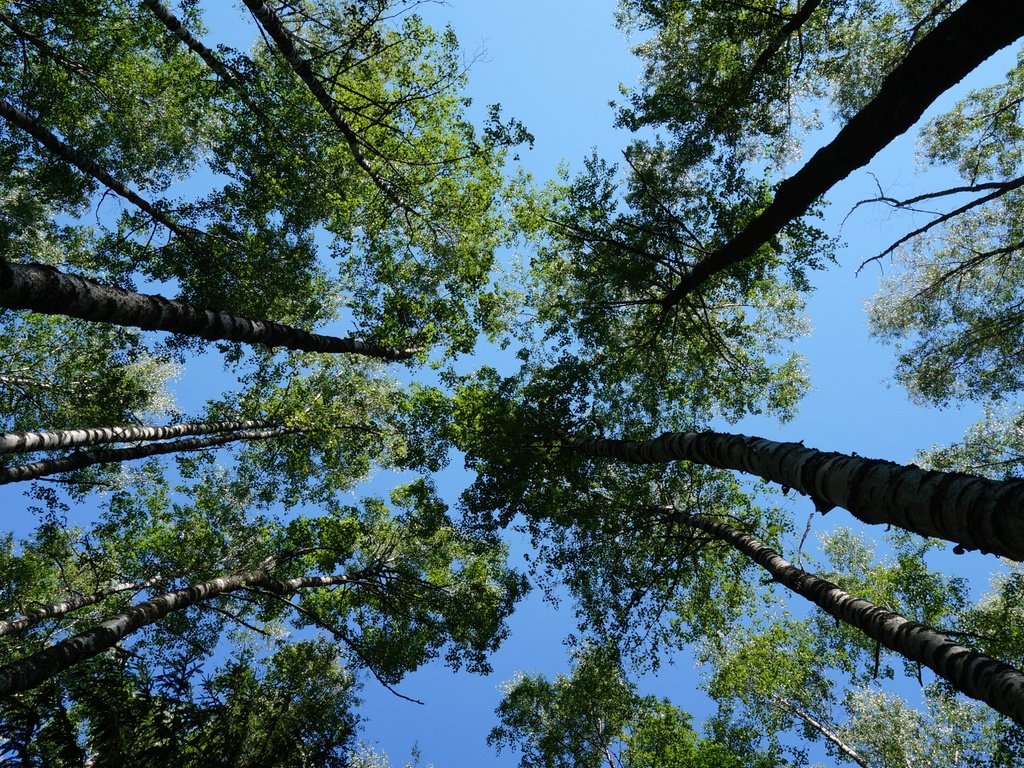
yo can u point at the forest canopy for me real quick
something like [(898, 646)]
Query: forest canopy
[(415, 357)]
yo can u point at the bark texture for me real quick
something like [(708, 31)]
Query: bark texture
[(42, 288), (56, 610), (941, 59), (23, 442), (32, 670), (974, 512), (76, 460), (978, 676)]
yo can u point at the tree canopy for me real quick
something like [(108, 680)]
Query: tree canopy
[(321, 225)]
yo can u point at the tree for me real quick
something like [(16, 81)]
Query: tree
[(343, 186), (411, 587), (595, 717), (975, 512)]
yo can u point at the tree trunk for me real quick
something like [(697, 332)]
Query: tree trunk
[(24, 442), (303, 68), (824, 730), (76, 460), (56, 610), (41, 288), (27, 123), (940, 60), (790, 28), (974, 512), (194, 44), (32, 670), (978, 676), (228, 76)]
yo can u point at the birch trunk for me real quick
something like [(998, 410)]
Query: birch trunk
[(940, 60), (24, 442), (75, 461), (825, 731), (974, 512), (56, 610), (32, 670), (978, 676), (41, 288), (69, 155)]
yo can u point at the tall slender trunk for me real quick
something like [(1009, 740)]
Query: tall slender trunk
[(977, 675), (217, 65), (42, 288), (304, 69), (824, 730), (74, 461), (974, 512), (57, 610), (23, 442), (940, 60), (32, 670), (194, 44), (31, 126)]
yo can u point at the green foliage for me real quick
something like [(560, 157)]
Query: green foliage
[(595, 717), (67, 374), (819, 679), (993, 446), (953, 307), (608, 250), (389, 220), (750, 76), (293, 708), (409, 587)]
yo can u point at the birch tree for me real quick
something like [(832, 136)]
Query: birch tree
[(411, 588)]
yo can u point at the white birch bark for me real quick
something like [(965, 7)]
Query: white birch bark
[(974, 674), (31, 126), (825, 731), (974, 512), (24, 442), (47, 467), (56, 610)]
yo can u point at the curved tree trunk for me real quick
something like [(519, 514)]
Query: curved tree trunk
[(41, 288), (75, 461), (32, 670), (940, 60), (23, 442), (56, 610), (974, 512), (980, 677)]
